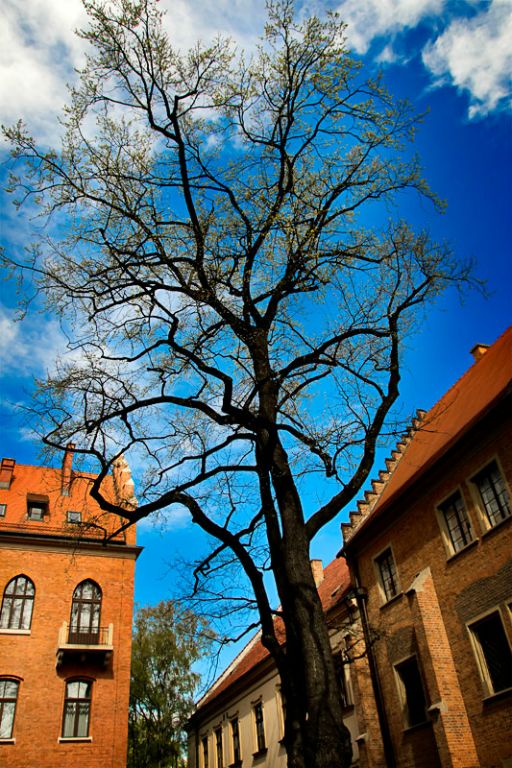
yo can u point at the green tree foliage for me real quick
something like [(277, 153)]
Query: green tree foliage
[(237, 326), (166, 643)]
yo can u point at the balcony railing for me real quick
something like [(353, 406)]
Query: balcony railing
[(78, 645), (99, 636)]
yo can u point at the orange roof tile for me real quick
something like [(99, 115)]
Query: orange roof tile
[(334, 586), (464, 404), (45, 483)]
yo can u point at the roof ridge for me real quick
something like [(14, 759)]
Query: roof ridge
[(371, 497)]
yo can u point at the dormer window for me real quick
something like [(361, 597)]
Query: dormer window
[(74, 517), (37, 507)]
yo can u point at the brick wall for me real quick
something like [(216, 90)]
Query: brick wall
[(464, 586)]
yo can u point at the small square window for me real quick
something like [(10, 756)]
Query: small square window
[(493, 653), (456, 522), (493, 494), (3, 508), (387, 574), (36, 510), (412, 695), (74, 517)]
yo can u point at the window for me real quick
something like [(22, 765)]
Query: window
[(218, 748), (85, 613), (204, 744), (36, 510), (387, 573), (235, 740), (456, 522), (77, 709), (73, 517), (17, 604), (259, 726), (8, 698), (493, 653), (493, 494), (3, 508), (412, 695)]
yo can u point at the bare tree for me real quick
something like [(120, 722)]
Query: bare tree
[(239, 331)]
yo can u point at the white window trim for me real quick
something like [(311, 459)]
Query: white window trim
[(384, 598), (445, 534), (481, 663), (483, 520)]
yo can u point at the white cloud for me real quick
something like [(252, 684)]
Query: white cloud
[(38, 51), (475, 55), (30, 346), (368, 19)]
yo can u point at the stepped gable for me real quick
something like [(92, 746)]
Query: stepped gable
[(433, 433), (335, 583)]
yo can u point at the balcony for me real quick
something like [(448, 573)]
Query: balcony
[(85, 647)]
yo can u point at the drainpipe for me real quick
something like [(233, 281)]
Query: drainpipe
[(361, 595)]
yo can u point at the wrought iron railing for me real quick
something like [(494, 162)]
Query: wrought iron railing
[(100, 636)]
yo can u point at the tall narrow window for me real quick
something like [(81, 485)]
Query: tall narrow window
[(17, 604), (77, 709), (235, 740), (340, 667), (85, 614), (259, 726), (3, 508), (457, 522), (493, 652), (493, 494), (218, 748), (387, 573), (411, 692), (8, 699), (204, 744)]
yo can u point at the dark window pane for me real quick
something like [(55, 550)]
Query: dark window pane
[(457, 521), (415, 703), (493, 493), (496, 651), (388, 577)]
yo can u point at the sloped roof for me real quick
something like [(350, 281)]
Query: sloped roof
[(332, 589), (45, 483), (435, 432)]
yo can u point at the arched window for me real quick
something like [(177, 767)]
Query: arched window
[(17, 604), (85, 613), (77, 709), (8, 698)]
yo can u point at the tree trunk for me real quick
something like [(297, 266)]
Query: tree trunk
[(315, 736)]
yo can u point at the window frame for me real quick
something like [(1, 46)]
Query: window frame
[(479, 652), (204, 751), (403, 693), (83, 605), (260, 739), (69, 521), (77, 715), (378, 572), (3, 509), (479, 502), (5, 700), (36, 504), (218, 742), (237, 759), (446, 533), (26, 599)]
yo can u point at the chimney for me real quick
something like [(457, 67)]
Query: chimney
[(6, 472), (123, 483), (478, 351), (67, 467), (318, 571)]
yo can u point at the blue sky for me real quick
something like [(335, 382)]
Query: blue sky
[(451, 58)]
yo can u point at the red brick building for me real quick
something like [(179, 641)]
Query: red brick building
[(65, 619), (431, 547)]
